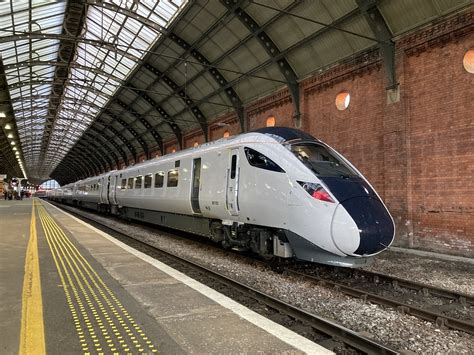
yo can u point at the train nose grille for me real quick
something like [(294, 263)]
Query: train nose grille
[(362, 221)]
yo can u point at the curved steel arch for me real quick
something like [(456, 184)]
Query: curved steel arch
[(110, 139), (59, 37), (67, 168), (166, 117), (61, 175), (98, 153), (79, 156), (217, 76), (109, 154), (130, 129), (383, 35), (144, 121), (53, 63), (83, 168), (273, 52), (125, 141), (192, 106)]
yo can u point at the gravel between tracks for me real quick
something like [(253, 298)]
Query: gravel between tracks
[(402, 332)]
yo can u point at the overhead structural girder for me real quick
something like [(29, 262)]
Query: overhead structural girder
[(64, 175), (38, 35), (273, 52), (383, 35), (77, 165), (134, 133), (124, 140), (108, 138), (73, 168), (110, 155), (52, 63), (188, 102), (228, 85), (216, 75), (166, 117), (156, 136), (74, 19), (80, 156), (96, 151), (65, 168)]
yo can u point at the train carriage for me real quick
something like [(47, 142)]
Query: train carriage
[(276, 191)]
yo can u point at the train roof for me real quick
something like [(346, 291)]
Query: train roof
[(286, 134), (279, 134)]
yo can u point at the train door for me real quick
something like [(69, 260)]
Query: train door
[(102, 191), (108, 190), (232, 195), (114, 190), (196, 184)]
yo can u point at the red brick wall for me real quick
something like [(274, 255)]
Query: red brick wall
[(418, 152), (192, 137), (441, 135), (278, 105), (228, 122)]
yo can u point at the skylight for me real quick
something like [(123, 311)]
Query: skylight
[(115, 38)]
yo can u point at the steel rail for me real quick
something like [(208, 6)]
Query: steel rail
[(377, 277), (325, 326), (439, 319)]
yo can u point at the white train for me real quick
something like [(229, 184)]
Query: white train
[(276, 191)]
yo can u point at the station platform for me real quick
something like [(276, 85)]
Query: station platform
[(67, 287)]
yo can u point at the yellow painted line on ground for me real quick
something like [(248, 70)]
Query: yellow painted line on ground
[(32, 324), (94, 297)]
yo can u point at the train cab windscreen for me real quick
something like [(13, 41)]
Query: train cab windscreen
[(321, 161)]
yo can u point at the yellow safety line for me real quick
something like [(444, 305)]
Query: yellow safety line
[(66, 262), (32, 325), (109, 311)]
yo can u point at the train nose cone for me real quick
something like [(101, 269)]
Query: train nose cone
[(362, 226)]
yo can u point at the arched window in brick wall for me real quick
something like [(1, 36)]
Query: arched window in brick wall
[(195, 144), (226, 134), (271, 121), (468, 61), (343, 100)]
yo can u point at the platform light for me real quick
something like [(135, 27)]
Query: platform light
[(8, 126), (10, 135), (2, 115), (12, 143), (17, 153), (14, 148)]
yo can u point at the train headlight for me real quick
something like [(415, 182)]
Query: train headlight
[(316, 191)]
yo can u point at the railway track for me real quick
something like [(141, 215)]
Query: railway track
[(443, 307), (327, 333)]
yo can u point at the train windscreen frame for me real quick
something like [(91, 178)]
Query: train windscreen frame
[(321, 161)]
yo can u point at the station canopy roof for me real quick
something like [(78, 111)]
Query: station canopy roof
[(87, 84)]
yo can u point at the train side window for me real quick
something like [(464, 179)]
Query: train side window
[(147, 183), (233, 166), (123, 186), (177, 163), (130, 183), (138, 182), (159, 178), (260, 161), (173, 176)]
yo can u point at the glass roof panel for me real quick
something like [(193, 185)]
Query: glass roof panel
[(97, 71)]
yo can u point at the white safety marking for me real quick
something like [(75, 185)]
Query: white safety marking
[(282, 333)]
